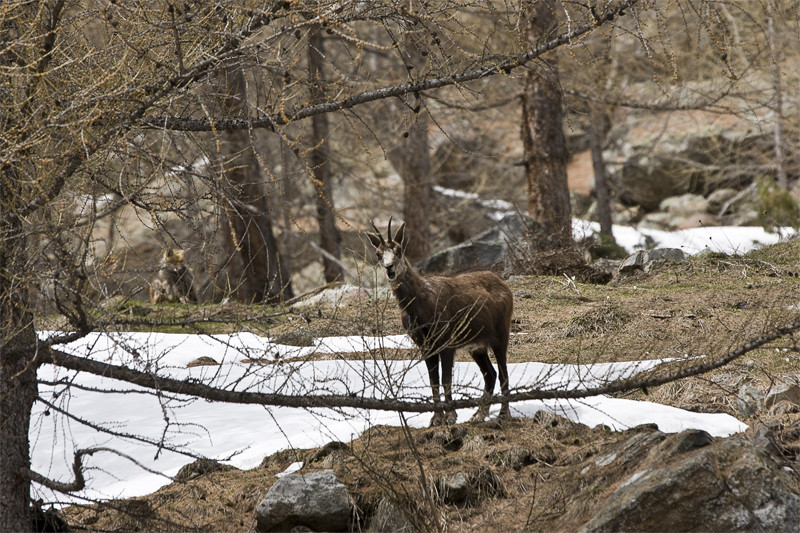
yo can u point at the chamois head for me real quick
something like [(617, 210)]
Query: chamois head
[(390, 252)]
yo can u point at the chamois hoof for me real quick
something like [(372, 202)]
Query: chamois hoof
[(437, 419), (480, 415), (444, 419)]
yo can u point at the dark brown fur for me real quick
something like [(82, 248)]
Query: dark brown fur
[(443, 313)]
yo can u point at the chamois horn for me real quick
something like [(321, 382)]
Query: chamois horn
[(378, 232), (389, 229)]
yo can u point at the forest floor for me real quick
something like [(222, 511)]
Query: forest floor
[(706, 305)]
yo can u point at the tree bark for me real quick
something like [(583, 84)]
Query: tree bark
[(330, 238), (598, 130), (410, 157), (777, 99), (255, 271), (543, 138), (18, 388)]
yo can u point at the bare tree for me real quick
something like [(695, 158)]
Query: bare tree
[(599, 125), (255, 270), (543, 133), (410, 155), (320, 160)]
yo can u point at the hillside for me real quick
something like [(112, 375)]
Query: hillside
[(545, 472)]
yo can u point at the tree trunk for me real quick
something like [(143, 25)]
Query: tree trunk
[(410, 157), (597, 133), (543, 136), (18, 387), (777, 99), (255, 269), (330, 237)]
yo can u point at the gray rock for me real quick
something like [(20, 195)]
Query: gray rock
[(202, 361), (690, 482), (720, 197), (199, 468), (750, 401), (657, 220), (684, 205), (783, 393), (647, 259), (318, 501), (661, 152), (454, 489), (469, 488), (335, 295), (485, 249), (301, 336), (388, 518), (695, 220)]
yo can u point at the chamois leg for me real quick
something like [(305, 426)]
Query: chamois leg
[(500, 350), (481, 356), (448, 356), (432, 361)]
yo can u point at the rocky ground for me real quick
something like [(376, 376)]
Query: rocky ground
[(547, 473)]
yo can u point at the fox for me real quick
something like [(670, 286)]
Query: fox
[(174, 282)]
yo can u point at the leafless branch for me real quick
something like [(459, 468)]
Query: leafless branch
[(79, 483), (502, 66), (652, 378)]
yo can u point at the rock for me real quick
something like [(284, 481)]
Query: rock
[(200, 467), (750, 401), (648, 259), (718, 199), (690, 482), (656, 220), (784, 408), (453, 489), (783, 393), (689, 440), (485, 249), (202, 361), (664, 154), (318, 501), (388, 518), (300, 337), (469, 488), (332, 296), (684, 205), (695, 220)]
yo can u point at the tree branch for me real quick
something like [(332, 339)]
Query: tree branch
[(505, 66), (119, 125), (652, 378), (79, 483)]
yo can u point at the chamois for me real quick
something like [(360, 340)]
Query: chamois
[(174, 281), (443, 313)]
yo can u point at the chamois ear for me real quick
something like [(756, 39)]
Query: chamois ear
[(376, 240), (400, 236)]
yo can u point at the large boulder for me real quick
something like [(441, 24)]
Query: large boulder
[(487, 248), (688, 482), (660, 155), (316, 501)]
